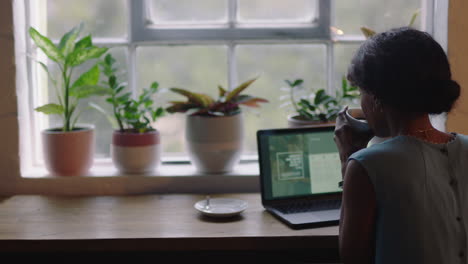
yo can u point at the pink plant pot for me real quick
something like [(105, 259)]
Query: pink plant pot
[(68, 153), (136, 153)]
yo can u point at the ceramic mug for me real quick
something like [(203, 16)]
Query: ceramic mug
[(357, 120)]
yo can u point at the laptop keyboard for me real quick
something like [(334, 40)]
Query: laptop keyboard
[(308, 206)]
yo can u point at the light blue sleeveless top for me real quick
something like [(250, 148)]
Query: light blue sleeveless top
[(422, 200)]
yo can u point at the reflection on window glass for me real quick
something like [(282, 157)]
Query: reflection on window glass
[(102, 18), (188, 11), (379, 15), (196, 68), (103, 129), (273, 64), (274, 11)]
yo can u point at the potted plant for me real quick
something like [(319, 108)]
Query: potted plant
[(214, 128), (135, 144), (320, 109), (69, 149)]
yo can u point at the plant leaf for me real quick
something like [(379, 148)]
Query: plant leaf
[(239, 89), (46, 45), (320, 96), (221, 91), (50, 109), (154, 87), (248, 100), (181, 107), (91, 77), (413, 17), (78, 56), (89, 90), (298, 82), (367, 32), (67, 42), (202, 100), (84, 43)]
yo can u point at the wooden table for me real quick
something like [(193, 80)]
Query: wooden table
[(166, 226)]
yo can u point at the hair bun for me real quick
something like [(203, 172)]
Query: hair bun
[(441, 96)]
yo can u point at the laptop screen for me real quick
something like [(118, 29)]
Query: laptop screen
[(298, 162)]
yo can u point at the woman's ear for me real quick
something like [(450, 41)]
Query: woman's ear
[(377, 105)]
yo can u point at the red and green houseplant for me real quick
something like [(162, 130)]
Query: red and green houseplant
[(68, 150), (214, 127), (135, 144)]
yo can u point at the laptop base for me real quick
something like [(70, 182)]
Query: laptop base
[(308, 219)]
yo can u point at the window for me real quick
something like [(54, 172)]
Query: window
[(201, 44)]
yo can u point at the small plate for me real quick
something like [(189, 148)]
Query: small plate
[(221, 207)]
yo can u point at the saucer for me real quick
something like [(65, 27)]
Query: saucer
[(221, 207)]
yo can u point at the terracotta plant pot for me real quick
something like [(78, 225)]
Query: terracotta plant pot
[(136, 153), (68, 153), (295, 121), (214, 143)]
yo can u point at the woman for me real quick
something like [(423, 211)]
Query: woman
[(404, 200)]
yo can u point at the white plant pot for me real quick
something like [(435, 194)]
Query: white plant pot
[(214, 144), (136, 153)]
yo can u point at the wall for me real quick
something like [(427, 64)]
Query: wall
[(9, 146), (457, 120)]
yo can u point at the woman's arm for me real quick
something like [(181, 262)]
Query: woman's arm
[(358, 212)]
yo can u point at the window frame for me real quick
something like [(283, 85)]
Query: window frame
[(231, 34)]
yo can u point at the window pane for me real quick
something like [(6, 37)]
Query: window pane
[(103, 128), (196, 68), (188, 11), (102, 18), (274, 64), (268, 11), (379, 15), (343, 55)]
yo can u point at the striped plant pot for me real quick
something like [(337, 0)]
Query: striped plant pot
[(136, 153), (214, 144)]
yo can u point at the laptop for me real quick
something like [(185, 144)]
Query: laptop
[(300, 171)]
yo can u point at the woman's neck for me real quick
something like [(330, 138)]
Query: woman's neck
[(419, 126)]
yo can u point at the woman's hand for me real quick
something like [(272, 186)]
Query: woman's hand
[(347, 138)]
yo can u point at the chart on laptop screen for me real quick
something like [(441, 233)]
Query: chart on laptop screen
[(303, 163)]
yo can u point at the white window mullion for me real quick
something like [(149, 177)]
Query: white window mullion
[(330, 68), (231, 56), (232, 66), (132, 69)]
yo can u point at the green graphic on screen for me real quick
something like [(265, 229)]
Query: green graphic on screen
[(303, 164)]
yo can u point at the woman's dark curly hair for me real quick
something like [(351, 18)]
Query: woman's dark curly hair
[(406, 69)]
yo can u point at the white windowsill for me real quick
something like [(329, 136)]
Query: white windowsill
[(163, 170), (104, 179)]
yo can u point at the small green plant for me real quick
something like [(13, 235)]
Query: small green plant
[(68, 55), (321, 107), (227, 104), (128, 115)]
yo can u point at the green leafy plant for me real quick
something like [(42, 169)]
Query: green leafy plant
[(129, 115), (70, 53), (321, 106), (227, 104)]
